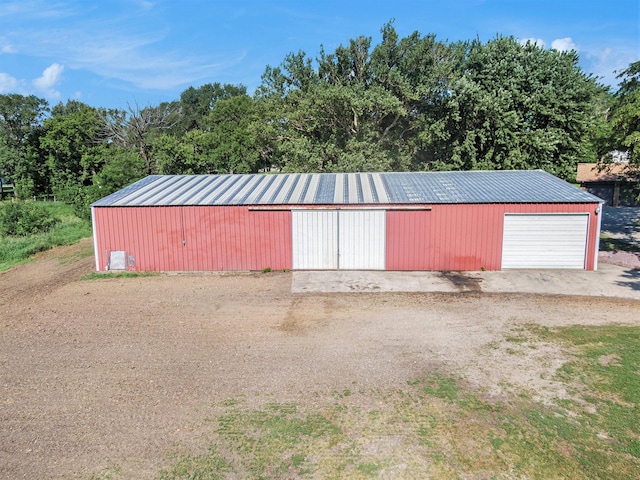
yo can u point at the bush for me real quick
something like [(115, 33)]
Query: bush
[(21, 219)]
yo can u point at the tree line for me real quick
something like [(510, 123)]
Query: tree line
[(407, 104)]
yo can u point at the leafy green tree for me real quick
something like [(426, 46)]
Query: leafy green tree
[(196, 104), (625, 121), (416, 103), (175, 155), (108, 168), (602, 141), (360, 109), (232, 147), (32, 175), (8, 159), (20, 124), (19, 116), (625, 117), (516, 106), (226, 144), (69, 134), (118, 168)]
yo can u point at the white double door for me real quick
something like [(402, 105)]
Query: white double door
[(338, 239)]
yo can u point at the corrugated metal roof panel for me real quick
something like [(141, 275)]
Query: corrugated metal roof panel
[(510, 186)]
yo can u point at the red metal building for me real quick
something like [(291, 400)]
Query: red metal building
[(379, 221)]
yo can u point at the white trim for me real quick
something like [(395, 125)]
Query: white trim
[(600, 209), (95, 239)]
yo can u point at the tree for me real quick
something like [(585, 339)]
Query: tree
[(19, 116), (226, 144), (516, 107), (20, 125), (625, 117), (232, 145), (359, 109), (625, 120), (69, 135), (135, 127), (196, 103), (107, 168)]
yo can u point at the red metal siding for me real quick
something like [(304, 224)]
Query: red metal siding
[(463, 236), (195, 237), (447, 237)]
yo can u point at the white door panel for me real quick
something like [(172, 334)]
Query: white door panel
[(361, 239), (314, 239)]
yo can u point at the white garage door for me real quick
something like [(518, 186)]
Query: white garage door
[(544, 240), (338, 239)]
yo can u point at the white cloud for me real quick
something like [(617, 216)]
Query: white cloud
[(564, 44), (51, 77), (36, 9), (129, 46), (536, 41), (7, 83), (7, 48), (607, 63), (147, 5)]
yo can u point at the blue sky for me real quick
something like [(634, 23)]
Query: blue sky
[(110, 53)]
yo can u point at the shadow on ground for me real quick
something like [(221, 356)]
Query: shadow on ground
[(622, 223), (634, 279)]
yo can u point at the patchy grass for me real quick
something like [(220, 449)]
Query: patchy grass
[(608, 367), (608, 244), (69, 230), (438, 427)]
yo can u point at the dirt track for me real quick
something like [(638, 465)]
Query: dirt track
[(120, 372)]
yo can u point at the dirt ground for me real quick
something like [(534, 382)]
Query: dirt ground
[(122, 371)]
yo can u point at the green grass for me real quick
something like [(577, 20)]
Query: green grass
[(609, 367), (436, 426), (70, 229)]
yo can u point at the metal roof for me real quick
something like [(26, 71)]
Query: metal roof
[(508, 186)]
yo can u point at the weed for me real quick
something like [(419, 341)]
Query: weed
[(22, 219), (266, 269), (441, 387), (209, 466), (369, 469), (107, 474)]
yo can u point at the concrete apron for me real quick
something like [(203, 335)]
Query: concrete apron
[(607, 281)]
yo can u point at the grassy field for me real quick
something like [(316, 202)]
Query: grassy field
[(68, 230), (438, 427)]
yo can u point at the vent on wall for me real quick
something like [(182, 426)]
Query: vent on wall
[(117, 260)]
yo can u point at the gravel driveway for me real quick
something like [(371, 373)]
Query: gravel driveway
[(118, 372)]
